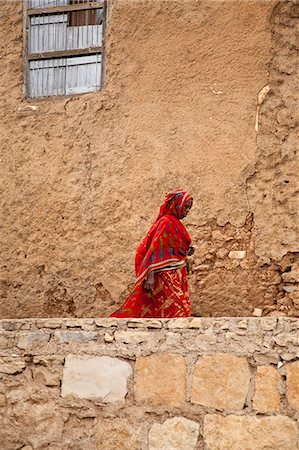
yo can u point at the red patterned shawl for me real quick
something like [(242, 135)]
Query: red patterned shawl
[(167, 240)]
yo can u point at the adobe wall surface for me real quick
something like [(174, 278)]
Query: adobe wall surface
[(199, 95), (182, 384)]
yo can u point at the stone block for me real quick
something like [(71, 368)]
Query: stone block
[(13, 367), (160, 379), (42, 424), (4, 342), (237, 254), (25, 326), (292, 370), (64, 337), (133, 337), (173, 338), (257, 312), (248, 432), (10, 326), (27, 110), (243, 324), (266, 395), (284, 339), (107, 323), (176, 433), (288, 356), (95, 377), (36, 339), (267, 358), (268, 324), (88, 325), (201, 341), (188, 322), (45, 376), (144, 323), (54, 359), (73, 323), (108, 337), (116, 434), (220, 381), (49, 323)]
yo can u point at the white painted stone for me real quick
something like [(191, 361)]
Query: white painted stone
[(95, 376), (176, 433), (237, 254)]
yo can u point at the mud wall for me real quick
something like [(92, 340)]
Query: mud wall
[(217, 384), (196, 95)]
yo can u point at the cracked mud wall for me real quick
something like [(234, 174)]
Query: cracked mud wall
[(273, 187), (82, 177)]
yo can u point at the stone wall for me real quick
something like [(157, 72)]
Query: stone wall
[(198, 383), (199, 95)]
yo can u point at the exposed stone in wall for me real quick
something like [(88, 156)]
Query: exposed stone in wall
[(116, 433), (273, 186), (95, 377), (267, 385), (293, 384), (46, 399), (160, 379), (236, 433), (177, 433), (225, 257), (211, 385)]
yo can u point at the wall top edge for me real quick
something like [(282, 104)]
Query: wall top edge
[(217, 323)]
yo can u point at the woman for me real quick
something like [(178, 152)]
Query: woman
[(161, 288)]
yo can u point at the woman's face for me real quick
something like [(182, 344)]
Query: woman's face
[(186, 208)]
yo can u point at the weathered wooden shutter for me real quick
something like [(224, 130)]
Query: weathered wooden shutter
[(63, 58)]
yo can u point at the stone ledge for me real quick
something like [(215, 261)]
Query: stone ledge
[(286, 324)]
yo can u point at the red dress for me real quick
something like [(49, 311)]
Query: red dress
[(163, 251)]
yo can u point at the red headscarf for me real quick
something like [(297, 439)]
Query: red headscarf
[(167, 240)]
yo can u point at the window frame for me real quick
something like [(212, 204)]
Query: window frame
[(44, 11)]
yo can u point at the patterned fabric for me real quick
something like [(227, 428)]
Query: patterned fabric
[(169, 298), (162, 251), (167, 240)]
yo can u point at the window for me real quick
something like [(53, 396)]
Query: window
[(64, 46), (86, 17)]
